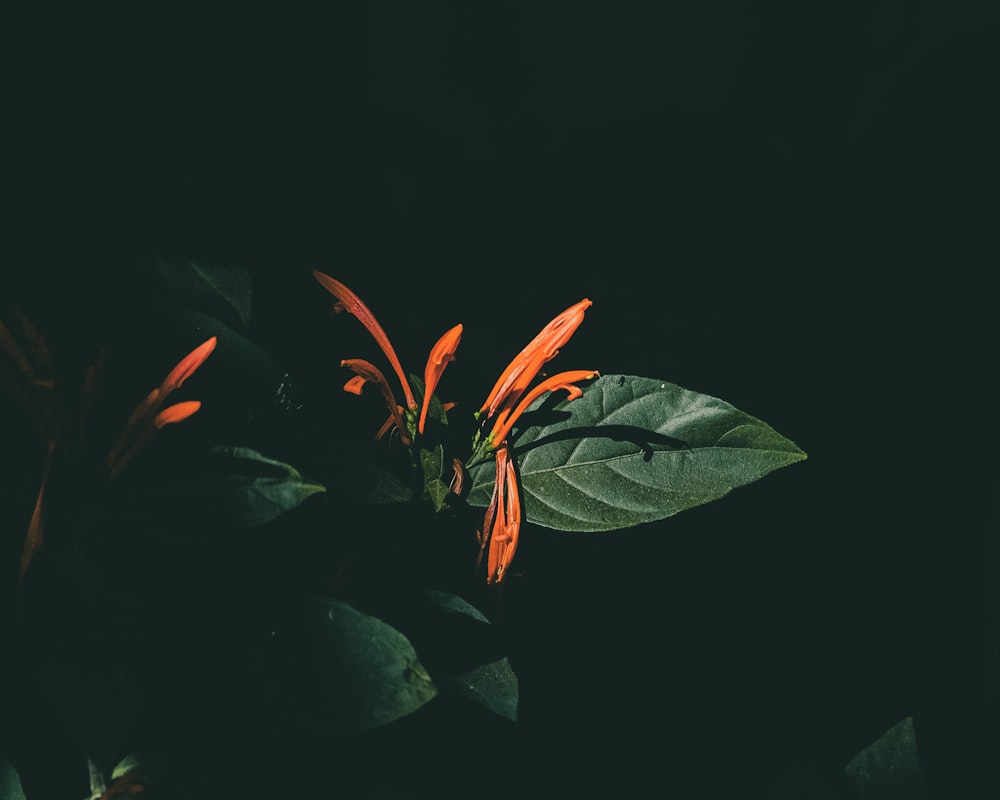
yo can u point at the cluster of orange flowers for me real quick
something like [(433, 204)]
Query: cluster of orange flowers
[(33, 383), (514, 391)]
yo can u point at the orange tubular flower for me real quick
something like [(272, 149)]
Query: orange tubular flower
[(502, 523), (441, 354), (503, 519), (187, 366), (350, 302), (564, 380), (178, 412), (147, 417), (508, 400), (527, 364), (366, 372)]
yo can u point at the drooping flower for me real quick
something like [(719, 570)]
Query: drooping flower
[(502, 523), (510, 397), (441, 354), (348, 301), (366, 372)]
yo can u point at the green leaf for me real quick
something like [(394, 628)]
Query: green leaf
[(230, 488), (493, 684), (10, 782), (633, 450), (124, 766), (461, 649), (318, 665), (223, 291), (432, 466), (889, 768)]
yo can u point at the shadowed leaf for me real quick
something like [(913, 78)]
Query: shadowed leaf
[(223, 291), (318, 665), (633, 450), (230, 488)]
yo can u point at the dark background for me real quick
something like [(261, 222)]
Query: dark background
[(791, 208)]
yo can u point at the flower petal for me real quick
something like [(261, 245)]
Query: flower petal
[(366, 372), (442, 353), (563, 380), (187, 366), (178, 412), (525, 366), (353, 304)]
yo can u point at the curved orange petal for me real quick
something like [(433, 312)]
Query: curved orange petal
[(525, 366), (187, 366), (178, 412), (495, 522), (512, 530), (563, 380), (354, 305), (366, 372), (442, 353)]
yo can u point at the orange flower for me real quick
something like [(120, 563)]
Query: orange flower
[(502, 523), (527, 364), (147, 417), (350, 302), (178, 412), (508, 400), (366, 372), (564, 380), (441, 354), (188, 366)]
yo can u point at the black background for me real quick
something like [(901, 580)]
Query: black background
[(789, 207)]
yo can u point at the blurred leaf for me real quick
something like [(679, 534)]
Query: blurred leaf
[(10, 783), (230, 488), (633, 450), (363, 483), (129, 779), (319, 665), (222, 291), (127, 764), (889, 768)]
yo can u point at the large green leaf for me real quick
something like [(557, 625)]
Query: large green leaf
[(317, 665), (633, 450), (222, 290), (228, 488)]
